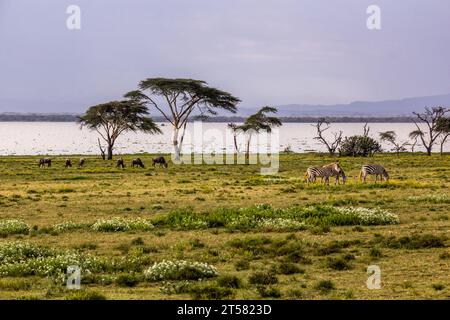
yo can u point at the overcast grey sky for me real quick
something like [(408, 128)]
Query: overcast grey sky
[(263, 51)]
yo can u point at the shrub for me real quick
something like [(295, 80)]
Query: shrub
[(431, 198), (121, 224), (127, 280), (375, 253), (228, 281), (85, 295), (180, 270), (67, 226), (270, 292), (287, 268), (264, 278), (242, 265), (415, 242), (438, 286), (356, 146), (210, 292), (137, 241), (338, 264), (325, 286), (13, 226)]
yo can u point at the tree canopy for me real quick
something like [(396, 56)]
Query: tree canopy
[(115, 117)]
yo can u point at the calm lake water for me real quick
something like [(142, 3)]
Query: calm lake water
[(58, 138)]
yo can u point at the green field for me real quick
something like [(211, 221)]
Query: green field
[(267, 236)]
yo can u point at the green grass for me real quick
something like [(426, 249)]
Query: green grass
[(316, 241)]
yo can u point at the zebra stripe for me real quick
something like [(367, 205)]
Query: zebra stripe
[(374, 169)]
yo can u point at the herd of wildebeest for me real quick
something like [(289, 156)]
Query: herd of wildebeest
[(312, 173), (120, 163)]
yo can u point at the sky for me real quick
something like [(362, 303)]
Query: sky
[(266, 52)]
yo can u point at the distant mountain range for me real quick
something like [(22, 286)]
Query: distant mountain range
[(357, 111), (403, 107)]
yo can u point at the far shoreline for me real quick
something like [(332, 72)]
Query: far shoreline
[(15, 117)]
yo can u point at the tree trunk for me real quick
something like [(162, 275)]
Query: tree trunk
[(247, 152), (428, 150), (176, 146), (110, 152)]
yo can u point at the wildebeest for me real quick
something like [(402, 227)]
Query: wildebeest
[(120, 163), (137, 163), (162, 162), (82, 162), (45, 161), (68, 163)]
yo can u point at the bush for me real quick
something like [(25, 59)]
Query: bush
[(228, 281), (127, 280), (268, 292), (121, 224), (85, 295), (338, 264), (180, 270), (13, 226), (67, 226), (264, 278), (355, 146), (416, 242), (325, 286), (210, 292), (287, 268), (242, 265)]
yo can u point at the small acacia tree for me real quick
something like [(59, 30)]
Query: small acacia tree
[(443, 126), (414, 136), (176, 100), (430, 117), (322, 125), (113, 118), (256, 123), (391, 137)]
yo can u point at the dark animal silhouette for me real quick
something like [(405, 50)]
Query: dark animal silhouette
[(68, 163), (137, 163), (120, 163), (45, 161), (82, 162), (162, 162)]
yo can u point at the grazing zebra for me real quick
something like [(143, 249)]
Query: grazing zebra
[(376, 169), (45, 161), (325, 172), (82, 162)]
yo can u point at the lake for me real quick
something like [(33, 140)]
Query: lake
[(60, 138)]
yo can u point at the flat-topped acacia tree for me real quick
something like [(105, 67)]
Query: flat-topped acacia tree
[(180, 97), (115, 117)]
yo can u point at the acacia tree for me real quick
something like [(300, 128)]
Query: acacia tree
[(177, 99), (430, 117), (443, 126), (391, 137), (331, 145), (113, 118), (256, 123), (235, 131), (414, 135)]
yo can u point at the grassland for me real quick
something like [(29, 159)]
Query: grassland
[(118, 223)]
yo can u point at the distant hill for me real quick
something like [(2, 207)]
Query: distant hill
[(403, 107)]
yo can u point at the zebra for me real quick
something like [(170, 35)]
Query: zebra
[(325, 172), (376, 169)]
